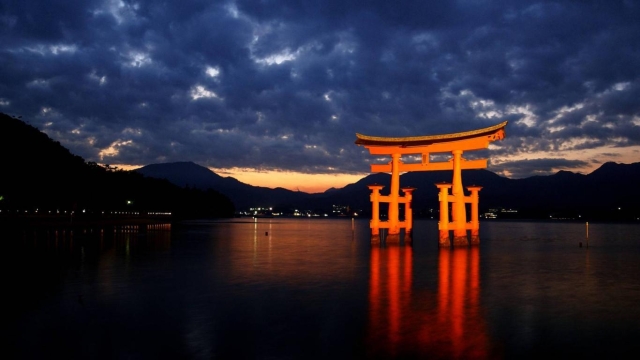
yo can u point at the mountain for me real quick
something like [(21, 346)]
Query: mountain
[(39, 173), (610, 192), (244, 196)]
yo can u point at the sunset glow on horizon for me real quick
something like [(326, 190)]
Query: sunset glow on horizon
[(294, 181), (318, 183)]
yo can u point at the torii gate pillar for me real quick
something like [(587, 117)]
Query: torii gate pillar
[(394, 209), (458, 209)]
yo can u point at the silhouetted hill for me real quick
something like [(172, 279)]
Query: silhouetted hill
[(565, 194), (243, 195), (39, 173), (610, 192)]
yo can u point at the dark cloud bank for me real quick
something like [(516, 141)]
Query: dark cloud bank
[(286, 84)]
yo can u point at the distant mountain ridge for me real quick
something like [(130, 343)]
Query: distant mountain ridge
[(610, 190), (38, 172), (243, 195)]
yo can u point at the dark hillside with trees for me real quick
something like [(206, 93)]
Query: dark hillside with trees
[(39, 174)]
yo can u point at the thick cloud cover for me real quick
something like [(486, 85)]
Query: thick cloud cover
[(281, 84)]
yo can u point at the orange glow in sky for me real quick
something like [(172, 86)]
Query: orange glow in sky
[(309, 183), (316, 183)]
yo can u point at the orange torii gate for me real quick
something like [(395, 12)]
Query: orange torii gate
[(457, 144)]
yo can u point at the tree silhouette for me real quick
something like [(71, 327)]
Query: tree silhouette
[(39, 173)]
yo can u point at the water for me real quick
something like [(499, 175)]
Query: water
[(313, 288)]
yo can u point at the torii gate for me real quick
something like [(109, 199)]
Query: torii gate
[(456, 143)]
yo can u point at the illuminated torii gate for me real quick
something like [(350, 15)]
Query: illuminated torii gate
[(457, 144)]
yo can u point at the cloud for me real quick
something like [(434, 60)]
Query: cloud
[(531, 167), (285, 85)]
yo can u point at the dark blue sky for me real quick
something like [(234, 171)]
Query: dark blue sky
[(285, 85)]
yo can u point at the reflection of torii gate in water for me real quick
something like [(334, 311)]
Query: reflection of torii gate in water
[(456, 143)]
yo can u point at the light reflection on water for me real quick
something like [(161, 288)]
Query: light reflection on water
[(446, 323), (313, 288)]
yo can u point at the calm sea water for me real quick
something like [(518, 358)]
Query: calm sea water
[(315, 288)]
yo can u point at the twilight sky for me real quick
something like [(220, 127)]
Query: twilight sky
[(272, 92)]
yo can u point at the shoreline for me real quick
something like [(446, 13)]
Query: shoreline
[(82, 220)]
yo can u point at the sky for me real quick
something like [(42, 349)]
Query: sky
[(273, 92)]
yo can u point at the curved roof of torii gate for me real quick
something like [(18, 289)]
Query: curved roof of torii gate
[(427, 139)]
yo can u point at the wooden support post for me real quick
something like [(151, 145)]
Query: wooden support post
[(375, 212), (443, 224), (408, 214), (475, 221)]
